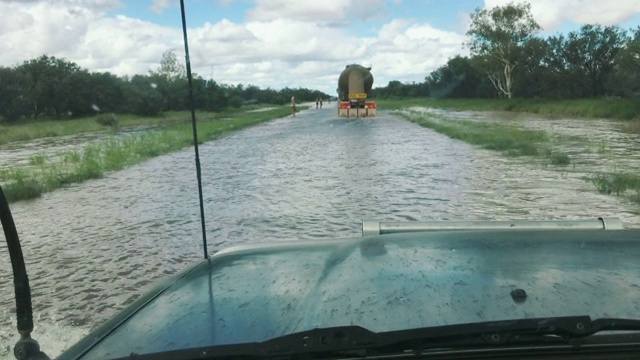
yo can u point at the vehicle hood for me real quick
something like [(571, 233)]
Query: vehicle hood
[(252, 293)]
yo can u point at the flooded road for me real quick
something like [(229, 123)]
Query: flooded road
[(594, 145), (95, 247)]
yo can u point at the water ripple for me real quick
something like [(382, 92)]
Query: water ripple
[(93, 248)]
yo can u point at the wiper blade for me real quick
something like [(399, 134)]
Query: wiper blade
[(519, 331), (613, 324), (355, 340)]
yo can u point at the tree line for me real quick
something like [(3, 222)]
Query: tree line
[(52, 88), (508, 60)]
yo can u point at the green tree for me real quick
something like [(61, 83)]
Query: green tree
[(496, 36), (270, 96), (13, 102), (143, 97), (531, 78), (560, 78), (107, 92), (394, 88), (592, 52), (170, 68), (216, 99), (171, 82), (47, 84), (80, 95), (457, 79), (625, 79)]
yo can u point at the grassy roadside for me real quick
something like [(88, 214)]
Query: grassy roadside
[(619, 184), (511, 141), (47, 173), (30, 130), (50, 128), (611, 108), (514, 141)]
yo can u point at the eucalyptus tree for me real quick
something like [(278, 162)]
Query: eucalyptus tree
[(496, 37)]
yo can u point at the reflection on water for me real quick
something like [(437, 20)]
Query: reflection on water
[(93, 248)]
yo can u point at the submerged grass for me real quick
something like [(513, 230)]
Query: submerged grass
[(625, 184), (558, 158), (512, 141), (30, 130), (613, 108), (46, 173), (515, 141), (632, 127)]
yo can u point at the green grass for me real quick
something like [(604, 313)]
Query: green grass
[(613, 108), (559, 158), (46, 173), (512, 141), (516, 141), (632, 127), (625, 184), (22, 184), (30, 130)]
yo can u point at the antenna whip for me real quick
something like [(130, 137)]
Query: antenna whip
[(195, 131)]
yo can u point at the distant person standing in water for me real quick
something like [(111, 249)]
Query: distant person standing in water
[(293, 105), (317, 102), (320, 103)]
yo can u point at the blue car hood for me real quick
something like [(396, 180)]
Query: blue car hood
[(382, 283)]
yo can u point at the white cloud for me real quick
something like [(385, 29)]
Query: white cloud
[(272, 53), (409, 51), (79, 32), (551, 14), (30, 30), (110, 45), (326, 11), (158, 6), (283, 42)]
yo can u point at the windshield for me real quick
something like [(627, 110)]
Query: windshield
[(313, 117)]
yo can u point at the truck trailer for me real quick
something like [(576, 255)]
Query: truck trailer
[(354, 88)]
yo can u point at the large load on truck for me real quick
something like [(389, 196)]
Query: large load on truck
[(354, 87)]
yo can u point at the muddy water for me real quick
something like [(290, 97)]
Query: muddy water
[(594, 145), (20, 153), (93, 248)]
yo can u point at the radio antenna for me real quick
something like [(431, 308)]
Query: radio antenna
[(195, 131), (26, 347)]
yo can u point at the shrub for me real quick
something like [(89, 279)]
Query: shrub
[(107, 120), (560, 159)]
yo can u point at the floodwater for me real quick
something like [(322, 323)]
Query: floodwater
[(20, 153), (95, 247)]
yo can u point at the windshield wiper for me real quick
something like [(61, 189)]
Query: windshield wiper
[(358, 341)]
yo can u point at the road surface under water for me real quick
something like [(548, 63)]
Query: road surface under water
[(95, 247)]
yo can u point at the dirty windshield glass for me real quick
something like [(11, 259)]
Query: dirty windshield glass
[(313, 117)]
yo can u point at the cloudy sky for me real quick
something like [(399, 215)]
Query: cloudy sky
[(271, 43)]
